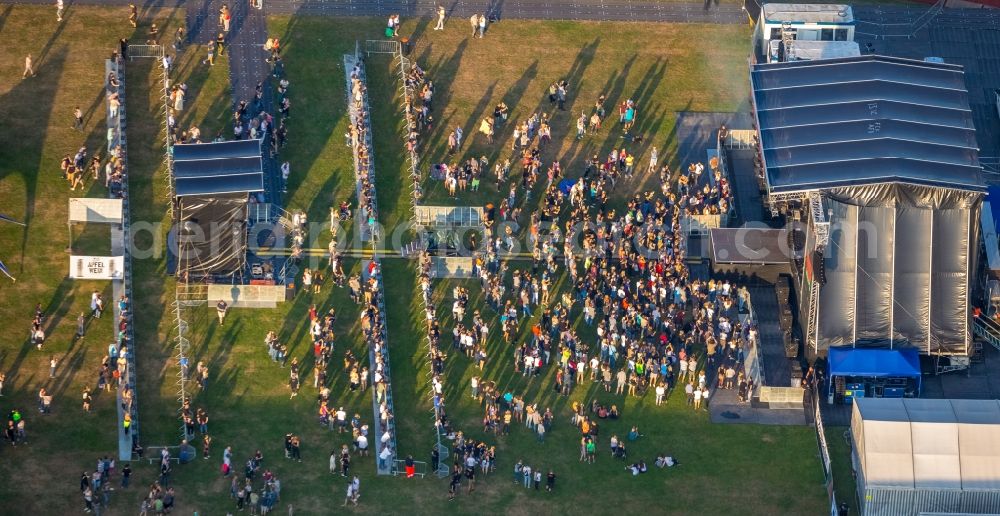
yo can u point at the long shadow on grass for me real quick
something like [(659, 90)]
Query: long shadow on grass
[(319, 71), (60, 297), (198, 75), (511, 98), (30, 99), (421, 27), (4, 14), (558, 119), (470, 130), (576, 75), (591, 145), (149, 304), (443, 74), (651, 116)]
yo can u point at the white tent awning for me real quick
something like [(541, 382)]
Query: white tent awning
[(928, 444)]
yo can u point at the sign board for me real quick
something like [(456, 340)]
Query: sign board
[(96, 267)]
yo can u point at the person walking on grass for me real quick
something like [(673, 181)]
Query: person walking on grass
[(350, 495), (81, 325), (293, 383), (440, 14), (456, 481), (60, 6), (28, 67), (220, 309), (210, 58), (133, 15)]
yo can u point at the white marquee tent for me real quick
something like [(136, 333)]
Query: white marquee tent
[(914, 455)]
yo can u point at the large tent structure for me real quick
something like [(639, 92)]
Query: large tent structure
[(878, 156), (212, 184), (919, 455)]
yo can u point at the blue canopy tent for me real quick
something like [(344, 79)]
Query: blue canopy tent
[(868, 364)]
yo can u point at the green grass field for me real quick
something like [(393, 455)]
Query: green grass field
[(725, 468)]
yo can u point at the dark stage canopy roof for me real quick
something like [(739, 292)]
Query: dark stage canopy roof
[(218, 168), (862, 120)]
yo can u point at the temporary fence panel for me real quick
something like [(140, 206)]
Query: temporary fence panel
[(449, 216), (154, 51), (903, 502), (824, 451), (980, 501), (887, 502), (382, 46), (936, 500)]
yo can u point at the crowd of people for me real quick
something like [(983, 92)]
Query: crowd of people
[(418, 101), (80, 167), (657, 325), (469, 454), (702, 195), (369, 292), (360, 143), (96, 488), (627, 278), (258, 488), (373, 329), (14, 430)]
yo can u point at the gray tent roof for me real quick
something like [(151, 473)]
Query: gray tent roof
[(218, 168), (865, 119), (927, 444)]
